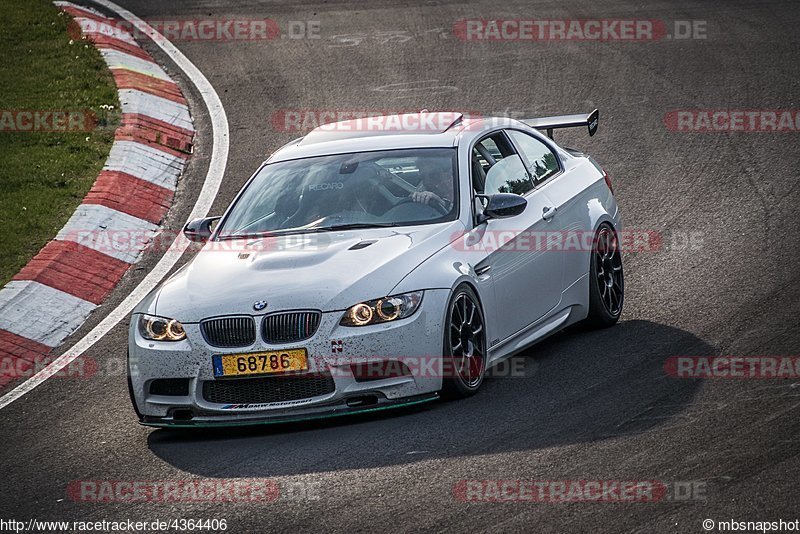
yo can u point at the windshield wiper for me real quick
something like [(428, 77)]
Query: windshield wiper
[(254, 235), (314, 229), (353, 226)]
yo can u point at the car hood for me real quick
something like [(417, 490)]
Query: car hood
[(325, 271)]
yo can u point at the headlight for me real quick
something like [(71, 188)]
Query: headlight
[(382, 310), (160, 329)]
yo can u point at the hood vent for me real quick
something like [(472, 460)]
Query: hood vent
[(361, 244)]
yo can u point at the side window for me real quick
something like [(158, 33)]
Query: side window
[(497, 168), (542, 161)]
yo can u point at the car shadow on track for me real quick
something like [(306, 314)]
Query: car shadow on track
[(575, 387)]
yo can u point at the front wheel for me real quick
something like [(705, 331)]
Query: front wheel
[(606, 280), (464, 345)]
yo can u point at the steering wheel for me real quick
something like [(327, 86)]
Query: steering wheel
[(383, 174), (439, 205), (436, 203)]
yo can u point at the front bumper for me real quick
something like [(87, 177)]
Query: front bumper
[(331, 351), (320, 412)]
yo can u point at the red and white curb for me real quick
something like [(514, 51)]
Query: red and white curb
[(57, 290)]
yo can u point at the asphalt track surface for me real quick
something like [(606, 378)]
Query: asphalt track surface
[(592, 405)]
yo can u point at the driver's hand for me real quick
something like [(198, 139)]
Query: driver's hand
[(424, 197)]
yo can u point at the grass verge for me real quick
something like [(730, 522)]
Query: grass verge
[(44, 175)]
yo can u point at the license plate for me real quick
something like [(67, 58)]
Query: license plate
[(259, 363)]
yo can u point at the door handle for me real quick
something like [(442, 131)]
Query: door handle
[(549, 212)]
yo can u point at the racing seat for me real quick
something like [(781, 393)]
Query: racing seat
[(504, 175), (314, 202)]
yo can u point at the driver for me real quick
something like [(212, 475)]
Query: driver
[(436, 185)]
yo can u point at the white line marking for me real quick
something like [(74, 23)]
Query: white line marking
[(216, 170)]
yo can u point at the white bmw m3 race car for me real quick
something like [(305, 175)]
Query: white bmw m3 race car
[(362, 268)]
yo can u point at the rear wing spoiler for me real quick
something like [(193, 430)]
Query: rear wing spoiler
[(549, 124)]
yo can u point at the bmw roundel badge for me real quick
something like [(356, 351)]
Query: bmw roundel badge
[(260, 305)]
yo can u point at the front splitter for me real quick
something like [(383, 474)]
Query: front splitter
[(271, 420)]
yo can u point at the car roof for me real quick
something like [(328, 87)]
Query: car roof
[(386, 132)]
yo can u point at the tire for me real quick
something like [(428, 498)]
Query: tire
[(606, 279), (464, 345)]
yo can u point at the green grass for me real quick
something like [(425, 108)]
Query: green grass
[(45, 175)]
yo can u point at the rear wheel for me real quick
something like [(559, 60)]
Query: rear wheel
[(606, 280), (464, 345)]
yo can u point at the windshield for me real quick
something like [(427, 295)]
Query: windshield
[(359, 190)]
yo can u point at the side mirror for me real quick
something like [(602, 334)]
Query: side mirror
[(503, 205), (199, 230)]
